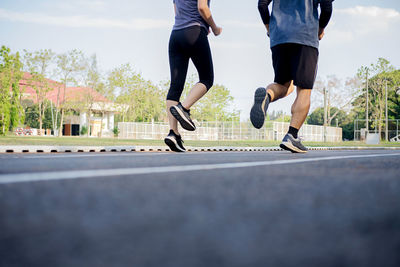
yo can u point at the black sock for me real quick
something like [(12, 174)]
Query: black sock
[(293, 131), (172, 132), (187, 110)]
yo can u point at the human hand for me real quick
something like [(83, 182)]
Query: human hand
[(321, 33), (217, 31)]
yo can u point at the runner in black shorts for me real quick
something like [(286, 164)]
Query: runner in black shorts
[(294, 37), (188, 41)]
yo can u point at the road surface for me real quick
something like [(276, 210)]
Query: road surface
[(325, 208)]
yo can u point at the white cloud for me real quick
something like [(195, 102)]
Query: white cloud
[(74, 5), (83, 21), (360, 22), (97, 5), (370, 11)]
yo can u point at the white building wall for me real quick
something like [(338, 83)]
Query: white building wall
[(111, 121), (83, 119)]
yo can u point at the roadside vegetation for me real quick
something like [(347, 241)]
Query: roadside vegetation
[(84, 141), (335, 102)]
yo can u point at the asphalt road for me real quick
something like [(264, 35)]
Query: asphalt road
[(325, 208)]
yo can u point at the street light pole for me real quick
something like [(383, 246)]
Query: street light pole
[(386, 111), (366, 110), (325, 113)]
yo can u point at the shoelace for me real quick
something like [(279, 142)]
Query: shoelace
[(179, 138)]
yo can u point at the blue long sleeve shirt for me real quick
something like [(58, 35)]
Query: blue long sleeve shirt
[(295, 21)]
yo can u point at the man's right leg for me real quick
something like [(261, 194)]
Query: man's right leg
[(278, 91), (262, 98), (281, 87)]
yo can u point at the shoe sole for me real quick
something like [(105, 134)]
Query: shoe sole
[(177, 113), (290, 147), (257, 114), (173, 145)]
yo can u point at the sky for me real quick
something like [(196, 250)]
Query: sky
[(137, 32)]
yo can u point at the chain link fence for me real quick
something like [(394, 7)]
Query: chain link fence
[(360, 129), (220, 131)]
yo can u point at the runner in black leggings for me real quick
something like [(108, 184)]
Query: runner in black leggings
[(188, 41)]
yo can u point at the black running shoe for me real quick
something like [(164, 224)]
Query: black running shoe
[(183, 116), (259, 109), (291, 144), (174, 142)]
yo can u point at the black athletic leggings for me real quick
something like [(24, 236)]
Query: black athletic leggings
[(189, 43)]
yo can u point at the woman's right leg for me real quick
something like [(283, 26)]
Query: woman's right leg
[(173, 123), (179, 62)]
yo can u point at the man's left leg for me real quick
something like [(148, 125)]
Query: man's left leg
[(300, 109)]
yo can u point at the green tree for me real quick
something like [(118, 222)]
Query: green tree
[(343, 120), (92, 80), (37, 64), (380, 73), (69, 66), (145, 101), (32, 116), (347, 125), (316, 117), (394, 94), (11, 110), (215, 105)]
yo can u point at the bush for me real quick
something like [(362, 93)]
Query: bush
[(84, 130), (116, 131)]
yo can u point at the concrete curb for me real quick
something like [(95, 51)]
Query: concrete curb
[(82, 149)]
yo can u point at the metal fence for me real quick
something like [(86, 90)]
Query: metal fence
[(360, 130), (220, 131)]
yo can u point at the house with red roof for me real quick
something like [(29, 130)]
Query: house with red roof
[(81, 100)]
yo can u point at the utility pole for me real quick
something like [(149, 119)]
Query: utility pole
[(366, 110), (386, 107), (52, 118), (325, 113)]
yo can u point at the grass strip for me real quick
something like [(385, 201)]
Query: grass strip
[(84, 141)]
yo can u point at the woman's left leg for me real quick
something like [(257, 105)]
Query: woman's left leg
[(202, 60)]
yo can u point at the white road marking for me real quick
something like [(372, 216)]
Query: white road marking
[(78, 174)]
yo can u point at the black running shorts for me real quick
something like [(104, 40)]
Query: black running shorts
[(295, 62)]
